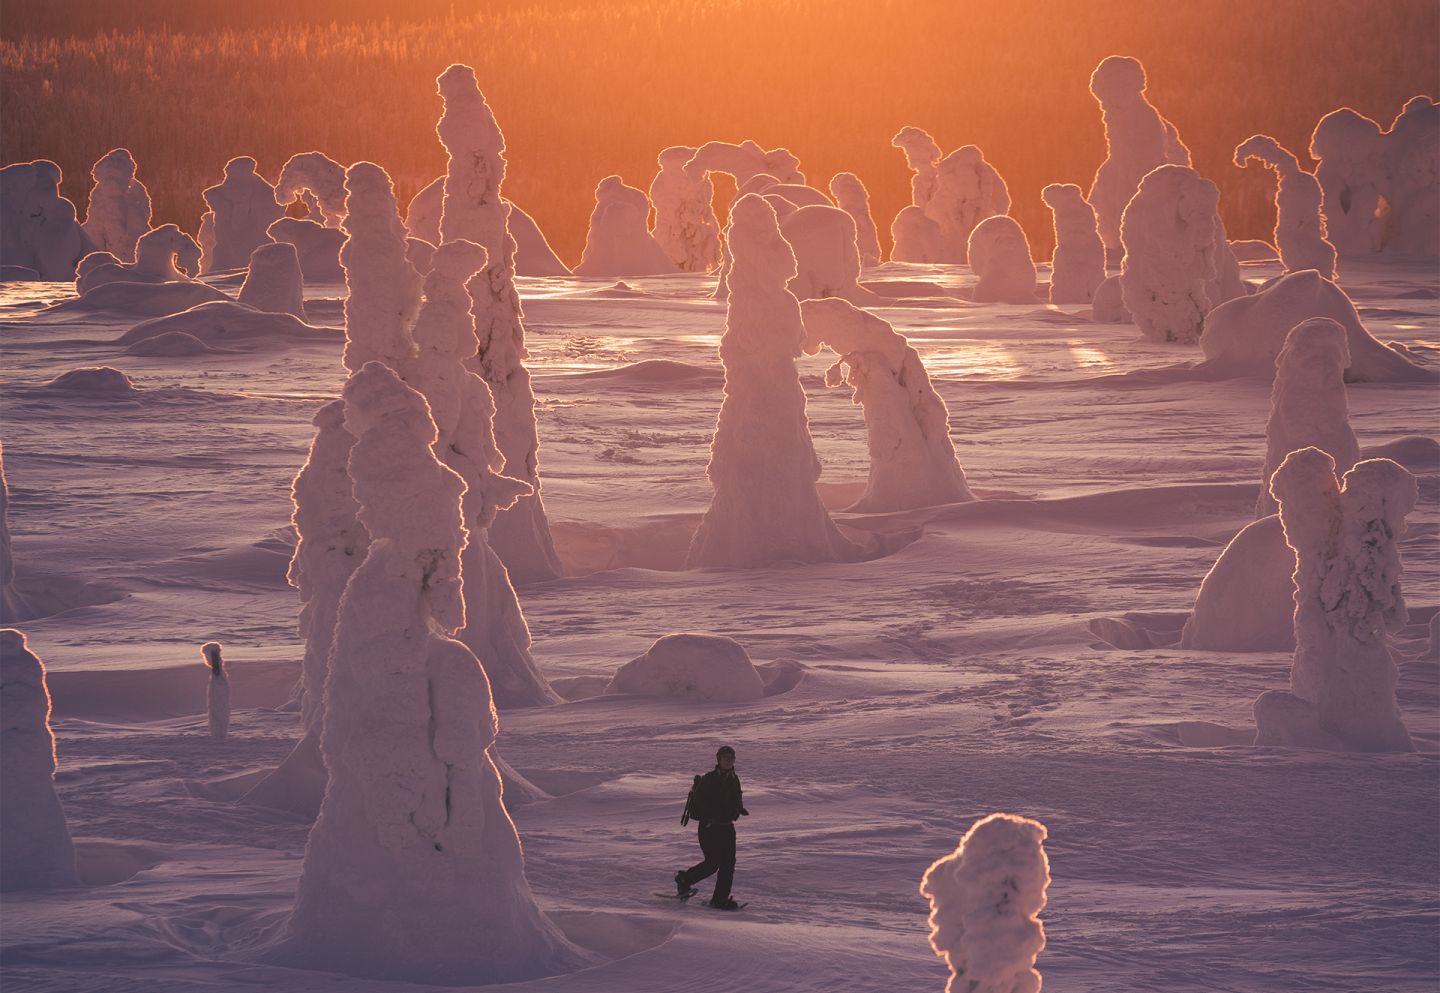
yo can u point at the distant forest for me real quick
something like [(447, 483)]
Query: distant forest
[(584, 89)]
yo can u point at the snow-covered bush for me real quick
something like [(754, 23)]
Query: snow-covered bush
[(698, 668)]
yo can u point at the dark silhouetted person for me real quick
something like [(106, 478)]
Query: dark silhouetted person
[(716, 803)]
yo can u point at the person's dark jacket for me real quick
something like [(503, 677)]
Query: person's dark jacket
[(717, 797)]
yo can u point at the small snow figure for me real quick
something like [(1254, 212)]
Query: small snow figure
[(984, 898), (850, 193), (119, 209), (715, 804), (1000, 255), (922, 156), (217, 693), (1078, 267), (1347, 601), (1299, 226)]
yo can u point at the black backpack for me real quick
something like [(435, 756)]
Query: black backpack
[(689, 801)]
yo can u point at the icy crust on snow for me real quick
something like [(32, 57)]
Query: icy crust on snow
[(907, 426), (697, 668), (413, 869), (1138, 140), (242, 208), (766, 508), (852, 196), (618, 242), (1000, 256), (316, 246), (985, 900), (35, 847), (162, 255), (685, 224), (1175, 253), (1244, 337), (319, 176), (272, 281), (474, 211), (967, 190), (1078, 266), (1347, 601), (118, 212), (922, 157), (1308, 408), (1299, 226), (38, 227), (827, 261)]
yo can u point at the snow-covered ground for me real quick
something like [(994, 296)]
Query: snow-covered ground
[(955, 676)]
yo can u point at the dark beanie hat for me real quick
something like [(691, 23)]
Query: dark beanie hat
[(724, 750)]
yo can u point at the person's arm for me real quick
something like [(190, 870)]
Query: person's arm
[(740, 798)]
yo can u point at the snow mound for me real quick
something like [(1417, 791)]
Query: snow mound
[(657, 372), (35, 847), (1254, 250), (18, 274), (101, 381), (316, 246), (119, 209), (146, 299), (618, 242), (272, 281), (225, 321), (1246, 600), (172, 344), (985, 898), (1243, 337), (698, 668), (164, 254), (1000, 255), (1108, 307)]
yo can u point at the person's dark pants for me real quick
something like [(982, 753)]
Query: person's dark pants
[(717, 842)]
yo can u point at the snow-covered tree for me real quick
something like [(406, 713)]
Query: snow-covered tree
[(618, 242), (13, 606), (119, 209), (827, 261), (850, 193), (916, 238), (967, 190), (217, 691), (1299, 226), (985, 900), (1078, 266), (38, 229), (242, 208), (1354, 180), (162, 255), (273, 282), (1000, 256), (317, 247), (685, 224), (922, 157), (1412, 154), (319, 181)]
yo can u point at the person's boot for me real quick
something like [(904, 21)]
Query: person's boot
[(728, 903), (682, 888)]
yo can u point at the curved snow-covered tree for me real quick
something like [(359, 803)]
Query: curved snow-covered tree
[(1000, 256), (119, 209), (1138, 140), (1078, 266), (1299, 226), (1354, 181), (1347, 601), (967, 190), (38, 229), (1172, 238), (922, 157), (685, 223), (35, 847), (162, 255), (242, 208), (273, 282), (850, 193), (766, 508), (907, 426), (985, 900), (474, 211), (413, 870), (1308, 408), (318, 180), (744, 161), (618, 242)]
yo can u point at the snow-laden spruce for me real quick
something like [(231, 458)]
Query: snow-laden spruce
[(744, 161), (1137, 139), (119, 209), (474, 211), (1308, 407), (162, 255), (912, 460), (967, 190), (685, 223), (696, 668), (317, 246), (217, 691), (1244, 336), (618, 242), (461, 405), (827, 260), (242, 208), (1352, 172), (922, 158), (273, 283), (384, 290), (1412, 152), (852, 196), (1299, 226), (1175, 252), (999, 254), (766, 508), (413, 870), (915, 237), (331, 544), (1078, 266), (533, 254), (35, 847), (985, 900), (319, 182), (1245, 603), (1347, 602), (38, 229)]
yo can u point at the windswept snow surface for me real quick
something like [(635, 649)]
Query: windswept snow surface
[(957, 676)]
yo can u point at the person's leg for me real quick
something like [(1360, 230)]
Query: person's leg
[(724, 854), (707, 866)]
